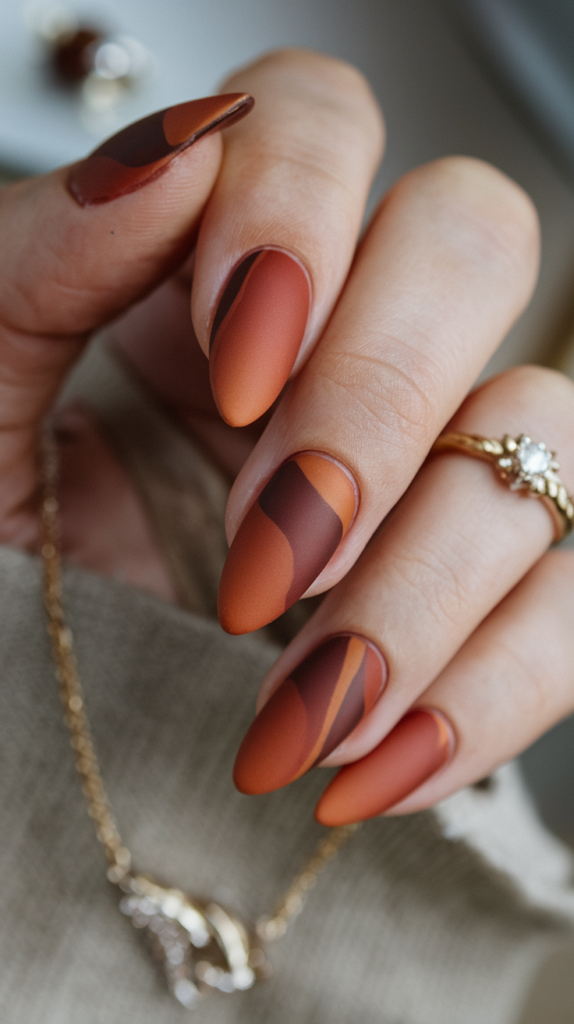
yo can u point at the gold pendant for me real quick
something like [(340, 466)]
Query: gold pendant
[(200, 947)]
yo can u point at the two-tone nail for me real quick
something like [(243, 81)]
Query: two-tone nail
[(141, 152), (257, 333), (314, 709), (286, 539), (421, 744)]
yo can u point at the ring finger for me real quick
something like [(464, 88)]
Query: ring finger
[(511, 682), (459, 541)]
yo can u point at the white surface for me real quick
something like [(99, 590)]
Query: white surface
[(435, 99), (196, 43)]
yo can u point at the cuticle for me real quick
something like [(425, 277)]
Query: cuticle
[(453, 736), (332, 458)]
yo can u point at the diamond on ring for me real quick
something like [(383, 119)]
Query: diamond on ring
[(527, 464)]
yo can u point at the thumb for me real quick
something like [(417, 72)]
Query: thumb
[(78, 246)]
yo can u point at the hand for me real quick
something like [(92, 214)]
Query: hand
[(453, 607)]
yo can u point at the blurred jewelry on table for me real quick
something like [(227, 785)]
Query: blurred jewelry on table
[(100, 66)]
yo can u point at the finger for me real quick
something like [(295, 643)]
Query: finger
[(445, 269), (79, 246), (281, 226), (157, 339), (104, 526), (460, 540), (511, 682)]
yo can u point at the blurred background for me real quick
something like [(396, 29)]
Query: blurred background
[(489, 78), (450, 77)]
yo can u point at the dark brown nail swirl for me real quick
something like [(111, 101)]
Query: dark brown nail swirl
[(319, 704), (141, 152), (286, 539)]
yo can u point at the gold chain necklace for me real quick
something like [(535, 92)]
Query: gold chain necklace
[(201, 947)]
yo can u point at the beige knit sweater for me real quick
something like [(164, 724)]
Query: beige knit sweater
[(437, 917)]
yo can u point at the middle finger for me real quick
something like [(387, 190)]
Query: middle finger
[(446, 267)]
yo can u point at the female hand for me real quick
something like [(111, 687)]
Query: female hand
[(453, 607)]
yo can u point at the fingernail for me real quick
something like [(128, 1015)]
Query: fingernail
[(285, 540), (143, 151), (314, 709), (257, 333), (421, 743)]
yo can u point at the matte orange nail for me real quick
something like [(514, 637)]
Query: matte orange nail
[(322, 700), (285, 540), (256, 334), (142, 151), (415, 749)]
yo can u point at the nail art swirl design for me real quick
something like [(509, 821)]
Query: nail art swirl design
[(285, 540), (232, 293), (257, 332), (421, 743), (311, 713), (141, 152)]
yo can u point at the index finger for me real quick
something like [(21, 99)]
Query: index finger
[(78, 246), (282, 223)]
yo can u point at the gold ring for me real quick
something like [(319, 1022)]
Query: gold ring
[(523, 465)]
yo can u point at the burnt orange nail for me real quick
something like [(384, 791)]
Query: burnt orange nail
[(256, 334), (142, 151), (322, 700), (285, 540), (417, 747)]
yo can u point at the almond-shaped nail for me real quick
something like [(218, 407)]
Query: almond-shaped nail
[(417, 747), (256, 334), (285, 540), (314, 709), (141, 152)]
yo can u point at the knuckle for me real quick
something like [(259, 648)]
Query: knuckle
[(388, 405), (325, 72), (305, 164), (534, 385), (438, 581), (481, 211), (326, 89)]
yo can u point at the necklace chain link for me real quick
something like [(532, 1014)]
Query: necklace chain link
[(76, 719)]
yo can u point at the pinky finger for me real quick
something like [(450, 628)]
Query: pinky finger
[(507, 685)]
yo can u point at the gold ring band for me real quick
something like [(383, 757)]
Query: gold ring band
[(523, 465)]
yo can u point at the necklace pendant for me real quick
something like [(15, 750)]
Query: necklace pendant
[(200, 947)]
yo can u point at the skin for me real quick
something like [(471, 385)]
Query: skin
[(400, 326)]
